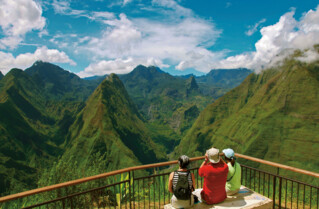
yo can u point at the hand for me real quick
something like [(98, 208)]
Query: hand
[(206, 158)]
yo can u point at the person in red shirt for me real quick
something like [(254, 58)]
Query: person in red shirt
[(214, 170)]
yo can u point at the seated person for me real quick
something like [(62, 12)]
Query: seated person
[(214, 170), (182, 183), (234, 172)]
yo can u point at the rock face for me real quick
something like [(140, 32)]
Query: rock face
[(272, 116)]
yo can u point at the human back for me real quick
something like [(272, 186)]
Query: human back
[(181, 184), (233, 183), (214, 170)]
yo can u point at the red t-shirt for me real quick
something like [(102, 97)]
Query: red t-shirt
[(215, 177)]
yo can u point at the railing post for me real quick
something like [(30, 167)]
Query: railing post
[(280, 181), (129, 188), (274, 192), (133, 189)]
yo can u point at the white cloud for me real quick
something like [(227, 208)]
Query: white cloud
[(310, 55), (64, 8), (253, 29), (177, 41), (278, 41), (177, 37), (119, 66), (176, 9), (125, 2), (17, 18), (8, 61)]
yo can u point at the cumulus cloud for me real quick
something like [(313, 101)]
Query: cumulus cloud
[(8, 61), (17, 18), (278, 41), (119, 66), (309, 55), (178, 42), (177, 37), (253, 29)]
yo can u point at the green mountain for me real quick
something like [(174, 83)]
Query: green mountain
[(272, 115), (109, 128), (25, 131), (59, 84), (37, 107), (219, 81), (167, 103), (1, 75)]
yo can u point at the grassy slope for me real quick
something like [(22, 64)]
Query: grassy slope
[(110, 125), (34, 120), (23, 127), (271, 116)]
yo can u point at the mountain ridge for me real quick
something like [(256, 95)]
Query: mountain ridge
[(109, 124), (266, 117)]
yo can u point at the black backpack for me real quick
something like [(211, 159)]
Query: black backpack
[(182, 190)]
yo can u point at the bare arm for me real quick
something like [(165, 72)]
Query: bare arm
[(193, 180), (170, 182)]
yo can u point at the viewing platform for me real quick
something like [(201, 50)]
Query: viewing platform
[(244, 199), (138, 187)]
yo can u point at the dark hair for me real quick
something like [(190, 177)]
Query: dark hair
[(183, 161), (231, 160)]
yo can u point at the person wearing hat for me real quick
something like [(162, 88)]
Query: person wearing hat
[(214, 170), (234, 172)]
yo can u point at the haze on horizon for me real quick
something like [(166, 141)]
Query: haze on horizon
[(102, 37)]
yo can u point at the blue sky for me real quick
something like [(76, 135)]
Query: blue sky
[(180, 36)]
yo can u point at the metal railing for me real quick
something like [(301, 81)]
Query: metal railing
[(133, 188)]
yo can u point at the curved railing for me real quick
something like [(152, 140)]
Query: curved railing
[(130, 189)]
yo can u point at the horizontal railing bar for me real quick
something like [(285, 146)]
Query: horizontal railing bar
[(285, 178), (76, 194), (151, 176), (91, 178), (286, 167), (61, 185)]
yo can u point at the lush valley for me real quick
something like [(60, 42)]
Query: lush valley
[(57, 126), (51, 118), (272, 115), (168, 104)]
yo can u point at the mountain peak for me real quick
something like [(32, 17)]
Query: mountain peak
[(146, 72), (191, 85), (15, 72), (56, 81)]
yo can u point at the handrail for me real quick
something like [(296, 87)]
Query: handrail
[(278, 165), (111, 173)]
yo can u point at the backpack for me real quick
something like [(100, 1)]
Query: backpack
[(182, 190)]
